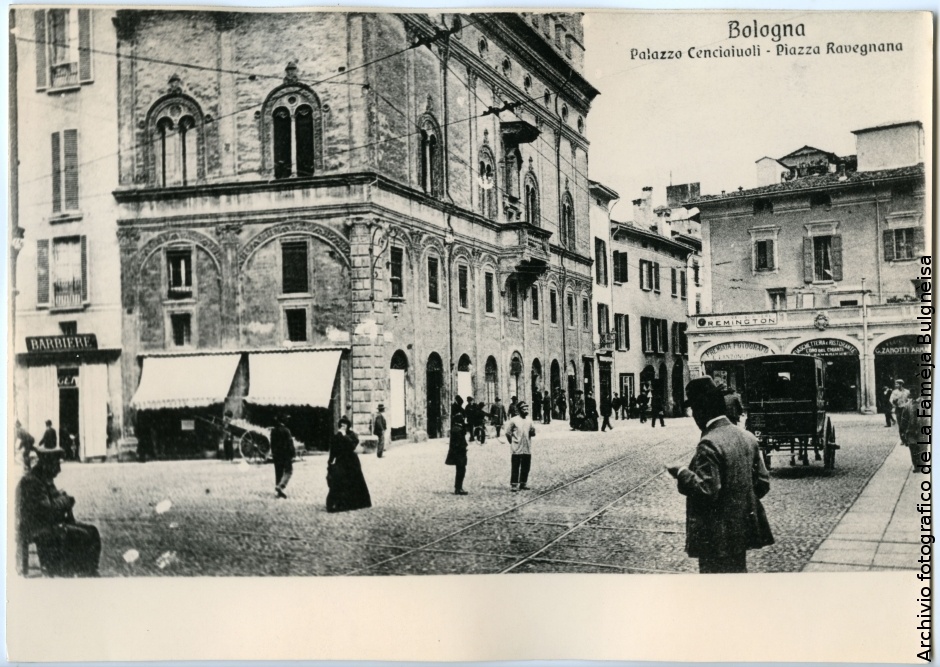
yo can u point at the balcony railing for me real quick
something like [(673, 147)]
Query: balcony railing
[(64, 75), (67, 293), (607, 340)]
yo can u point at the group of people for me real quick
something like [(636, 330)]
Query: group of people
[(900, 408)]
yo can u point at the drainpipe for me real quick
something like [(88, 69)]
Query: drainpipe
[(866, 402), (564, 270)]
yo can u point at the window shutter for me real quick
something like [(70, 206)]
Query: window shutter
[(675, 284), (616, 255), (807, 259), (71, 169), (918, 248), (84, 45), (626, 330), (655, 276), (626, 266), (42, 66), (837, 257), (770, 255), (56, 173), (887, 239), (664, 335), (42, 272), (84, 268)]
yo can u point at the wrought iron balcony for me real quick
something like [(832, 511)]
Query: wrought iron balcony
[(607, 340), (524, 250)]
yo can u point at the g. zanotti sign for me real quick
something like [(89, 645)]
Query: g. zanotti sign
[(734, 321)]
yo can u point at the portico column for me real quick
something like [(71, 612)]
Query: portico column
[(228, 238)]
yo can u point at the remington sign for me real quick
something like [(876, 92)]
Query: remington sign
[(735, 321), (79, 343)]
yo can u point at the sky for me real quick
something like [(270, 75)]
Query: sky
[(708, 120)]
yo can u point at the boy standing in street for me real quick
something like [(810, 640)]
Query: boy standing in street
[(519, 433)]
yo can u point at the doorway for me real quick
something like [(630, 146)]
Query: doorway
[(678, 389), (69, 412), (604, 381), (397, 410), (536, 389), (435, 387)]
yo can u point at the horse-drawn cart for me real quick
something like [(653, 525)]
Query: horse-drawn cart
[(253, 441), (787, 408)]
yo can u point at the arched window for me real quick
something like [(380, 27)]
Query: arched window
[(531, 200), (567, 221), (430, 157), (487, 183), (176, 142), (293, 118), (492, 380)]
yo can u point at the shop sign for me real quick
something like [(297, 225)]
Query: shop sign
[(826, 347), (79, 343), (902, 345), (736, 321), (734, 351), (187, 424)]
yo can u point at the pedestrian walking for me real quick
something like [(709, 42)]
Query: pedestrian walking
[(912, 436), (457, 454), (536, 405), (884, 405), (26, 443), (561, 404), (66, 548), (632, 408), (577, 411), (519, 433), (513, 407), (547, 408), (456, 408), (615, 405), (282, 452), (49, 438), (476, 421), (228, 438), (348, 489), (607, 406), (642, 402), (657, 409), (899, 395), (379, 429), (723, 486), (590, 412), (733, 406), (497, 415)]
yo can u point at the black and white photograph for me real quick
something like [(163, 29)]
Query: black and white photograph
[(353, 299)]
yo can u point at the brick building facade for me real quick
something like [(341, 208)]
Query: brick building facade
[(312, 185)]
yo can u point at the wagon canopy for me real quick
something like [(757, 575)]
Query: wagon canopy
[(191, 381), (293, 378)]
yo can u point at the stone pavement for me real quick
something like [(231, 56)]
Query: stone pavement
[(881, 530)]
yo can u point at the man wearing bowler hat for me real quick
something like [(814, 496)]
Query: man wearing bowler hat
[(723, 486), (65, 547), (379, 428)]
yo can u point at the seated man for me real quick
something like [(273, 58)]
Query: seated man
[(44, 516)]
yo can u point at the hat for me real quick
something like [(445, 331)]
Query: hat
[(522, 405), (46, 451), (381, 407), (344, 420), (698, 389)]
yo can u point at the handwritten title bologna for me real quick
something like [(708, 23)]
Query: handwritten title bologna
[(750, 41)]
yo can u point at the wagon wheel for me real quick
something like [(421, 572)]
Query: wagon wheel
[(252, 447), (829, 455)]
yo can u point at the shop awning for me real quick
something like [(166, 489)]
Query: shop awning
[(185, 382), (292, 378)]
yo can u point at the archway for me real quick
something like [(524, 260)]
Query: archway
[(515, 376), (536, 389), (464, 377), (661, 386), (842, 366), (572, 380), (678, 388), (397, 401), (555, 377), (897, 358), (435, 399), (492, 380), (647, 379)]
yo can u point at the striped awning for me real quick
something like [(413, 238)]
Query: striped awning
[(293, 378), (185, 382)]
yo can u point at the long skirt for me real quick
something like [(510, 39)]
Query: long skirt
[(348, 490), (69, 550)]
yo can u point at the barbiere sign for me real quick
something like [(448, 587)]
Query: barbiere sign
[(80, 343), (735, 321)]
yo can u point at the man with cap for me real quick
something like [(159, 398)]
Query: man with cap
[(379, 427), (66, 548), (282, 452), (723, 486), (519, 433), (49, 438)]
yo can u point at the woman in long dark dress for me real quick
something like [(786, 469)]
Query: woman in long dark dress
[(457, 453), (348, 490)]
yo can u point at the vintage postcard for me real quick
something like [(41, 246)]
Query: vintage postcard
[(323, 322)]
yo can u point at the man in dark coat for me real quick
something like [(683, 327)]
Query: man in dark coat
[(457, 454), (561, 404), (657, 409), (733, 406), (379, 427), (282, 451), (49, 439), (590, 411), (723, 486), (642, 402), (497, 415), (513, 407), (66, 548), (547, 408), (456, 408), (606, 408), (616, 404)]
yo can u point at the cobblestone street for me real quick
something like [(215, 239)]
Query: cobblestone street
[(598, 502)]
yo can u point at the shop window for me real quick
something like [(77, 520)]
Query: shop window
[(463, 286), (778, 299), (621, 267), (764, 255), (296, 321), (397, 272), (600, 261), (433, 280), (63, 48), (181, 326), (535, 303), (62, 272), (899, 244), (489, 281), (553, 306), (179, 265), (294, 278), (65, 171)]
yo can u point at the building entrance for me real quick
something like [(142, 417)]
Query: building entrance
[(842, 371), (435, 385), (69, 412), (898, 358)]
